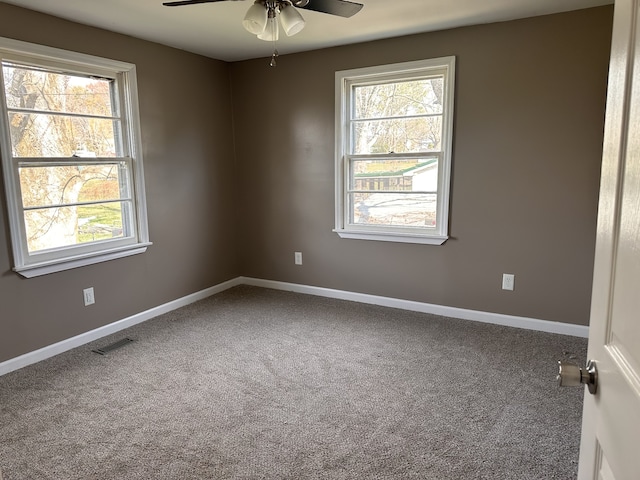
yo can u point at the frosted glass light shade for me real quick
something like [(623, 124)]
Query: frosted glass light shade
[(292, 21), (271, 31), (255, 20)]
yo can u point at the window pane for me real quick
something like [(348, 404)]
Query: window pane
[(70, 184), (418, 97), (393, 209), (397, 135), (394, 175), (66, 226), (36, 89), (393, 151), (72, 151), (42, 135)]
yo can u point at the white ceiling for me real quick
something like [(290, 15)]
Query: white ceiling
[(215, 29)]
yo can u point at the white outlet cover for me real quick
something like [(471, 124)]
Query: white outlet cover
[(89, 297), (508, 280)]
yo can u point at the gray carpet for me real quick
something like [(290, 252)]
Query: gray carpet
[(262, 384)]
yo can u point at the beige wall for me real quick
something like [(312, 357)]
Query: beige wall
[(528, 134), (529, 117), (185, 108)]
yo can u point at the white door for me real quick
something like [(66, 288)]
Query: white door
[(610, 447)]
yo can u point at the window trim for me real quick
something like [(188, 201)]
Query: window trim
[(31, 265), (381, 74)]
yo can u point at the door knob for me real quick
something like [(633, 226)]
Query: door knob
[(571, 375)]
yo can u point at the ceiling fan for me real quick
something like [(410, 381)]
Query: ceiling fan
[(342, 8), (261, 18)]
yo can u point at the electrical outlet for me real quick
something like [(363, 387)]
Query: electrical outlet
[(508, 280), (89, 297), (298, 258)]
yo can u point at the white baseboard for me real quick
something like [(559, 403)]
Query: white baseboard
[(461, 313), (79, 340), (478, 316)]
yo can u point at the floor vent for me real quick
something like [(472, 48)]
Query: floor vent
[(113, 346)]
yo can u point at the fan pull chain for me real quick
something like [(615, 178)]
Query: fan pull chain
[(273, 62)]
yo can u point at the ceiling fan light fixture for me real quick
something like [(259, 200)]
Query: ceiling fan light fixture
[(255, 21), (262, 17), (271, 32), (292, 21)]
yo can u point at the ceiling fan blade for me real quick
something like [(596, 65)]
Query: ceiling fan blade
[(342, 8), (189, 2)]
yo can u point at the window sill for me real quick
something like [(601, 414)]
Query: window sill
[(44, 268), (393, 237)]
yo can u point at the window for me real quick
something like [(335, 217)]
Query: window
[(71, 156), (394, 128)]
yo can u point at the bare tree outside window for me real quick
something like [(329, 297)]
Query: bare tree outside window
[(54, 116), (396, 118), (71, 157), (393, 151)]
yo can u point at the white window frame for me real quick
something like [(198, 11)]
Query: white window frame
[(345, 81), (54, 260)]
